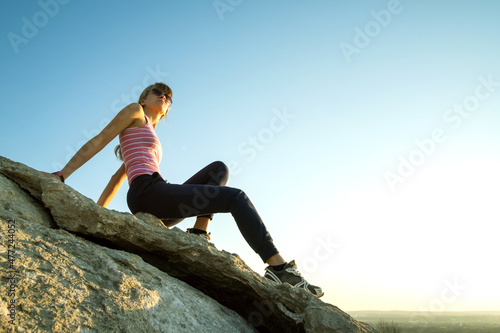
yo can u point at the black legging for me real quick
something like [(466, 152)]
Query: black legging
[(201, 195)]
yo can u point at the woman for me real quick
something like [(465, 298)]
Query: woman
[(202, 195)]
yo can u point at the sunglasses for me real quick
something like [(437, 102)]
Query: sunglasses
[(160, 93)]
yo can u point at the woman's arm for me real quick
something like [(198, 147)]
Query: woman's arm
[(120, 122), (113, 186)]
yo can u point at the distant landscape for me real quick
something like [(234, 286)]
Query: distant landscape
[(434, 322)]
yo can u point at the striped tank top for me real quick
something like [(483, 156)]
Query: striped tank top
[(141, 150)]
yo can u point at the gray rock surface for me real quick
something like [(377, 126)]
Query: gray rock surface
[(220, 275), (68, 284), (65, 283)]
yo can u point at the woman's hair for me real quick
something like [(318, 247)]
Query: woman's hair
[(158, 85), (118, 152)]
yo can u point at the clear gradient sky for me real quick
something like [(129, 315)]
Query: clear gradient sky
[(365, 132)]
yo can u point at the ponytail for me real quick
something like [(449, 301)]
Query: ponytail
[(118, 152)]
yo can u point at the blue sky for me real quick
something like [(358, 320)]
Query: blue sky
[(365, 133)]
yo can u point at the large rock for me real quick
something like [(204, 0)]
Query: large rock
[(223, 276), (68, 284)]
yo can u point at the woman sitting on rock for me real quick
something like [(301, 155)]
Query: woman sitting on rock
[(202, 195)]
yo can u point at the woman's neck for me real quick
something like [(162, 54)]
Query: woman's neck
[(153, 116)]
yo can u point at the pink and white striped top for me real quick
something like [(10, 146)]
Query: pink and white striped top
[(141, 150)]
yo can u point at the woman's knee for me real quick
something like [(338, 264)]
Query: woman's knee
[(240, 197), (220, 166), (221, 172)]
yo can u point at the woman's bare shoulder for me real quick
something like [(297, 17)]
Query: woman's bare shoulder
[(135, 112)]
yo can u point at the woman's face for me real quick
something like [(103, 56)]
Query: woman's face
[(156, 100)]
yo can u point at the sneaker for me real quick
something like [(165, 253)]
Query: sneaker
[(291, 275), (205, 236)]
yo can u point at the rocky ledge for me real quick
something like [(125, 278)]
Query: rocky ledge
[(84, 268)]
